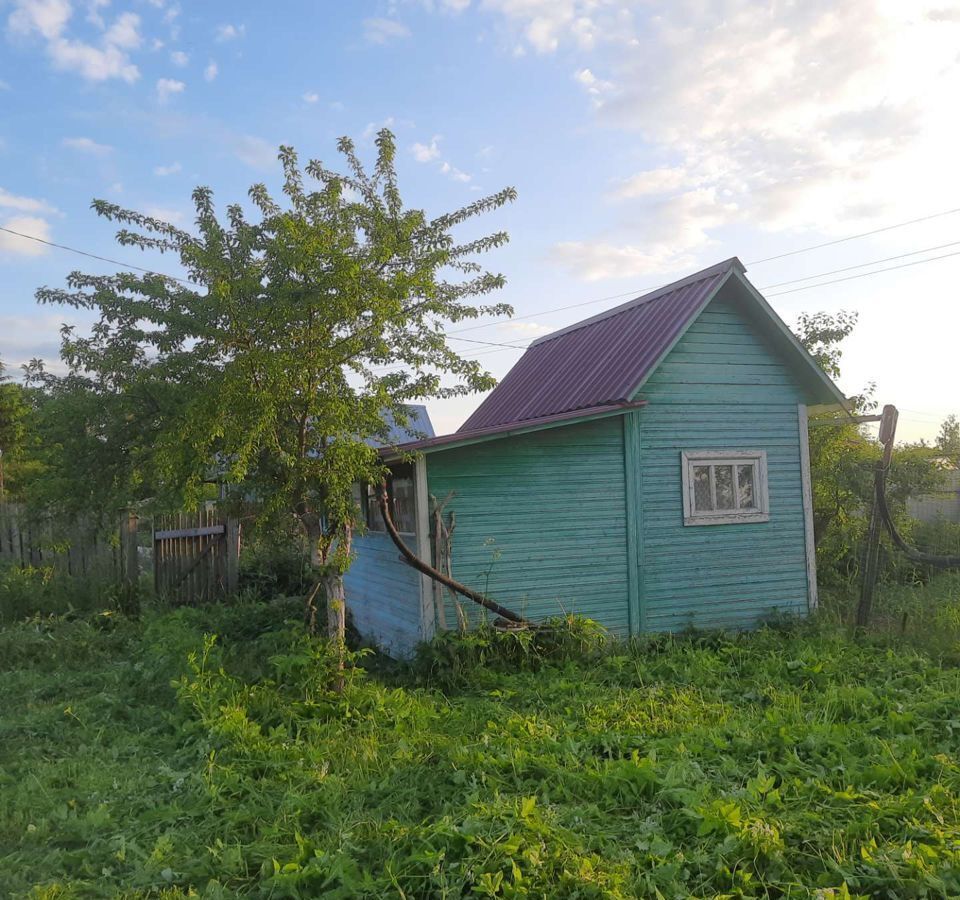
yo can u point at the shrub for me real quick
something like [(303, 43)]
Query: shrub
[(42, 591), (451, 657)]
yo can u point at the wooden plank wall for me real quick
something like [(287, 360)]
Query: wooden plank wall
[(72, 548), (721, 388), (541, 522)]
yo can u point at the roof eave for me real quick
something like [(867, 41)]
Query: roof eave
[(834, 392), (511, 429)]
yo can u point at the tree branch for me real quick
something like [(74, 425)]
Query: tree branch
[(427, 569)]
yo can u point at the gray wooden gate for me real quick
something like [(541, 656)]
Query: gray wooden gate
[(195, 557)]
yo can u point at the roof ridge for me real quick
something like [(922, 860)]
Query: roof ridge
[(732, 263)]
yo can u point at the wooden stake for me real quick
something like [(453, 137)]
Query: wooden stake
[(888, 430)]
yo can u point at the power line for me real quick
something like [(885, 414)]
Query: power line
[(640, 291), (917, 262), (116, 262), (853, 237), (808, 287), (874, 262)]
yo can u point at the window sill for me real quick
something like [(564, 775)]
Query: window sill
[(727, 519)]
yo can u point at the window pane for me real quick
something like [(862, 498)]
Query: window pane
[(745, 487), (374, 519), (403, 515), (723, 476), (702, 501)]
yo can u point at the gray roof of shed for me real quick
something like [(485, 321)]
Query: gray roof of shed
[(606, 358), (418, 427)]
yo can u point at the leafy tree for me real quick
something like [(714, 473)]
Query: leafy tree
[(843, 459), (271, 365), (15, 436), (948, 440), (822, 334)]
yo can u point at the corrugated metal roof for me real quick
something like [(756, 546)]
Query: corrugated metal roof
[(600, 360), (418, 427)]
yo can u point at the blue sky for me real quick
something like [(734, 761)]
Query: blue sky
[(646, 140)]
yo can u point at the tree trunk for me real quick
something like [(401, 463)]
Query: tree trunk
[(336, 622)]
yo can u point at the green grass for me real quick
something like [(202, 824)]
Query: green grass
[(786, 763)]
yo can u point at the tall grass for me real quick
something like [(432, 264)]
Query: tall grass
[(152, 759)]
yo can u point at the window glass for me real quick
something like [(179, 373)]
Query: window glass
[(401, 493), (722, 487), (701, 488), (745, 486), (374, 519), (403, 514), (723, 479)]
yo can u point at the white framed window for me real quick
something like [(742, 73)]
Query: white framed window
[(723, 487), (400, 491)]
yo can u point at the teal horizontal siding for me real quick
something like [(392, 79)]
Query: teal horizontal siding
[(383, 594), (720, 388), (541, 521)]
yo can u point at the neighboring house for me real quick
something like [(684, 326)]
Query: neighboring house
[(942, 504), (647, 467)]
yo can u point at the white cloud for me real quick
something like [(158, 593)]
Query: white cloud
[(5, 86), (455, 173), (666, 239), (172, 169), (311, 97), (382, 31), (24, 204), (230, 32), (653, 181), (124, 32), (47, 17), (179, 58), (256, 152), (93, 12), (211, 71), (591, 84), (423, 153), (373, 127), (167, 87), (87, 145), (22, 246), (95, 62), (165, 214), (546, 24), (815, 116)]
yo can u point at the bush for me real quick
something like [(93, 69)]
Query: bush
[(42, 591), (451, 657), (272, 567)]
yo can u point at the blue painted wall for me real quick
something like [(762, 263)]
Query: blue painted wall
[(721, 388), (541, 520), (383, 594)]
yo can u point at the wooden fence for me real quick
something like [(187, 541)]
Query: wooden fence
[(195, 557), (73, 548)]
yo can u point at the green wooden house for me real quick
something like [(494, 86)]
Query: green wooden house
[(647, 467)]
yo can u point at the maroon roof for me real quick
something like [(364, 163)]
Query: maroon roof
[(601, 360)]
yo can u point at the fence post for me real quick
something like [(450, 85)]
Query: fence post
[(888, 431), (129, 564), (232, 537)]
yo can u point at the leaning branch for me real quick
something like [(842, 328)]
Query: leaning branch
[(930, 559), (436, 575)]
